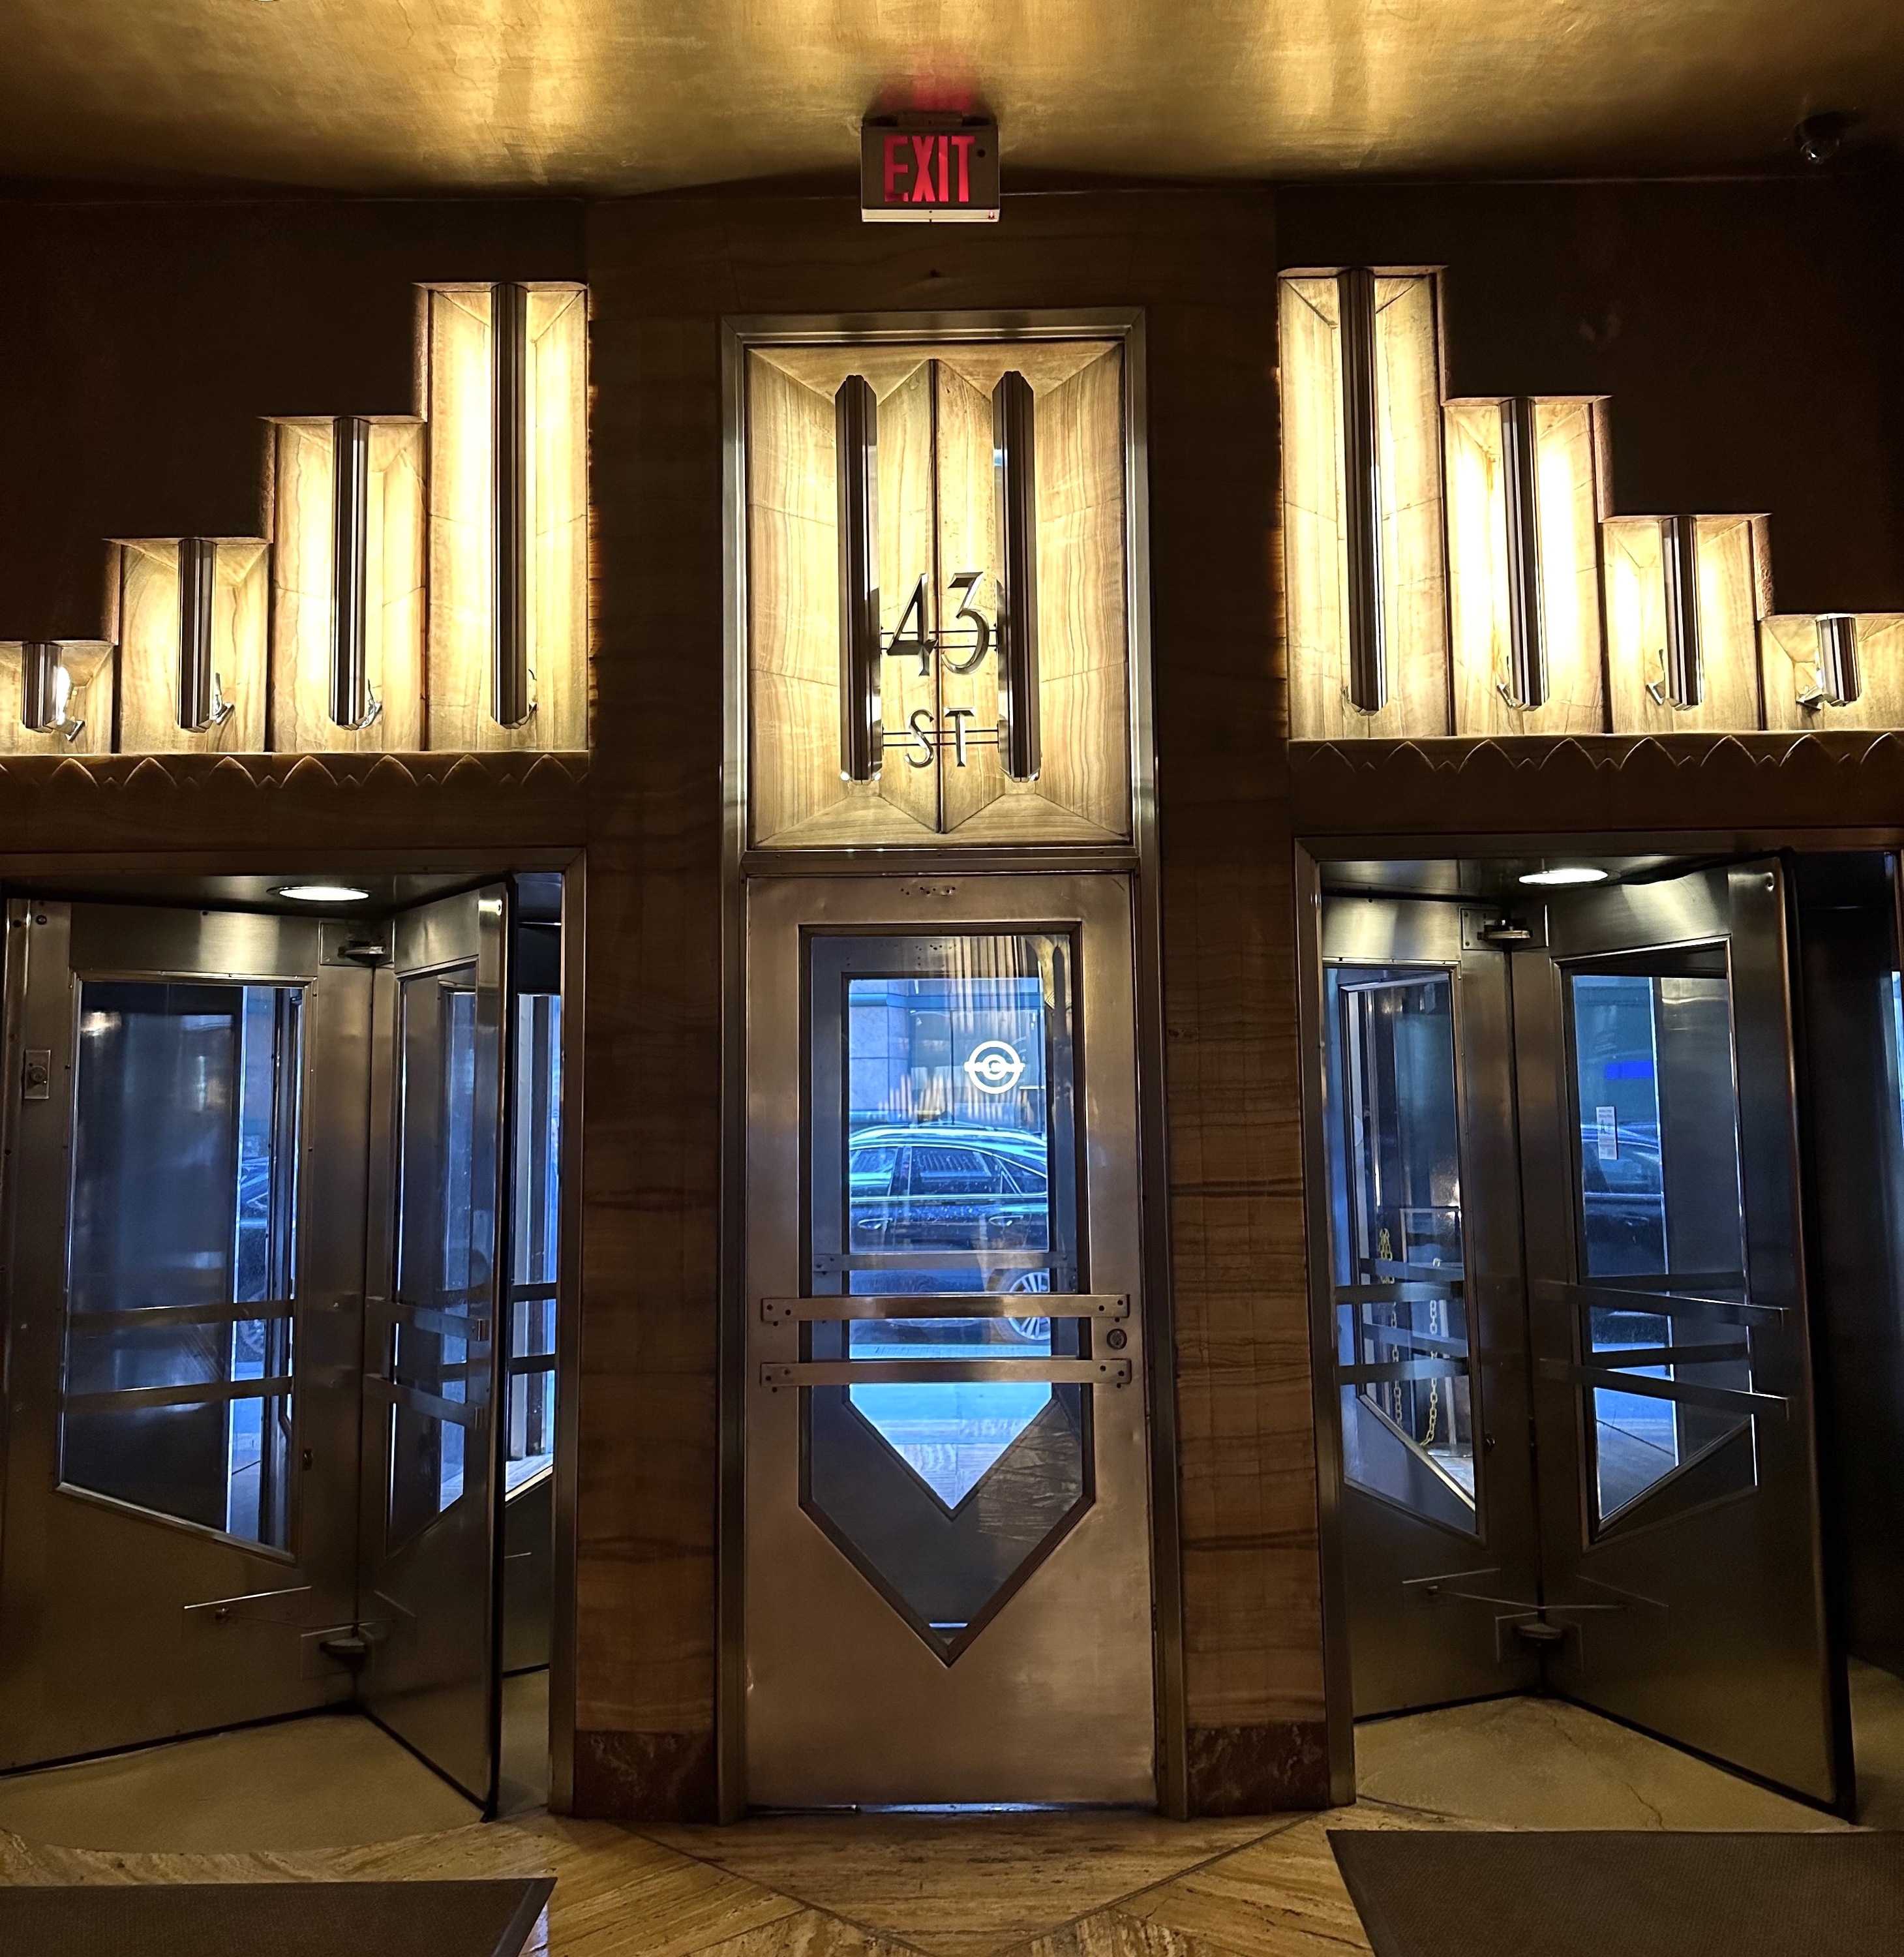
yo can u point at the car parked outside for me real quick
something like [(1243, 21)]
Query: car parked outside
[(950, 1185)]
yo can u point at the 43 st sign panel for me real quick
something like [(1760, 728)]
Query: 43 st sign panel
[(936, 634)]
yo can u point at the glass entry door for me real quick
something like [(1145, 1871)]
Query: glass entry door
[(947, 1560), (1680, 1522), (178, 1533)]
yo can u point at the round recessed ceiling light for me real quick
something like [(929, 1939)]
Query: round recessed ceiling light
[(320, 893), (1565, 873)]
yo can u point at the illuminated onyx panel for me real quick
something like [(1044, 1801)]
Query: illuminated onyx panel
[(303, 621), (1641, 634), (149, 631), (76, 710), (462, 519), (1413, 582), (934, 714), (1564, 617), (1807, 690)]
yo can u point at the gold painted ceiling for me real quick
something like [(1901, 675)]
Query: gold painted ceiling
[(615, 96)]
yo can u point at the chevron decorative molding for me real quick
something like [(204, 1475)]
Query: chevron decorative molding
[(1522, 783), (124, 802)]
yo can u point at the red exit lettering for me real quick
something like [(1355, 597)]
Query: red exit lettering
[(939, 169)]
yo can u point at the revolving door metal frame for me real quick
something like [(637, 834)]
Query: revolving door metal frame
[(1675, 855), (193, 880)]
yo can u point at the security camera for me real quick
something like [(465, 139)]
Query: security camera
[(1819, 138)]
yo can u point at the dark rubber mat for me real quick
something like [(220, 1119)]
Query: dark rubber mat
[(484, 1919), (1654, 1894)]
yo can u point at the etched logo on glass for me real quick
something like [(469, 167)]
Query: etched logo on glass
[(993, 1067)]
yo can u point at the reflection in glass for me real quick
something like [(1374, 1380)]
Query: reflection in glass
[(184, 1154), (1660, 1206), (528, 1436), (955, 1156), (445, 1239), (1407, 1401), (948, 1168)]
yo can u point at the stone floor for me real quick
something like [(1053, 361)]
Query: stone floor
[(334, 1781), (1032, 1885)]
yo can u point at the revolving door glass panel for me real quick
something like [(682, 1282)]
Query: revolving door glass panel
[(1403, 1365), (439, 1347), (942, 1199), (536, 1153), (177, 1392), (1660, 1216)]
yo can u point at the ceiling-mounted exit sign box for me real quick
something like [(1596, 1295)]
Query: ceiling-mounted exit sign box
[(934, 167)]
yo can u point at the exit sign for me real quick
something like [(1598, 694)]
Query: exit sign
[(928, 168)]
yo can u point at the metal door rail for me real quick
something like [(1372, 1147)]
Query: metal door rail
[(1454, 1276), (133, 1318), (532, 1293), (1720, 1399), (1383, 1371), (127, 1397), (1620, 1358), (831, 1262), (945, 1304), (1415, 1342), (1415, 1291), (1657, 1303), (1694, 1281), (254, 1607), (451, 1298), (428, 1318), (458, 1413), (947, 1372)]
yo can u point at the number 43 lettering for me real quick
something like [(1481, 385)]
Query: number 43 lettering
[(910, 636)]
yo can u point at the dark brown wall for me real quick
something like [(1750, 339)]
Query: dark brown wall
[(141, 343), (1744, 332), (1747, 333), (664, 273)]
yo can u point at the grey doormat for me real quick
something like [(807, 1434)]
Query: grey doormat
[(1650, 1894), (481, 1919)]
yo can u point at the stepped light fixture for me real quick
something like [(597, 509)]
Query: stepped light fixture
[(46, 692), (1562, 874), (320, 893)]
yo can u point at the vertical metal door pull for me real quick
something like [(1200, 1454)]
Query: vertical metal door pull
[(511, 699), (1366, 623), (1014, 444), (856, 410)]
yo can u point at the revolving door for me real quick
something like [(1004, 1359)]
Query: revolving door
[(282, 1298), (1565, 1312)]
